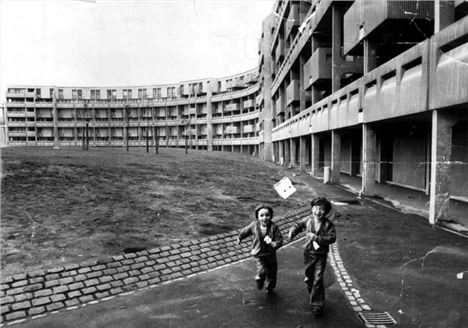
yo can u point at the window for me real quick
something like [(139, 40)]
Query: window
[(171, 92), (51, 90), (77, 94), (60, 94), (95, 94), (157, 93), (111, 94), (141, 93)]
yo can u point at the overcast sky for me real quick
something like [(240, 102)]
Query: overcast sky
[(120, 43)]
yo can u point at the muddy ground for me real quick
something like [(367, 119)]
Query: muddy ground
[(68, 205)]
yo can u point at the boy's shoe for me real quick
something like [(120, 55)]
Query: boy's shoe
[(270, 291), (259, 282), (309, 287), (316, 312)]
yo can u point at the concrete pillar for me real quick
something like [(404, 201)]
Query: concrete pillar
[(293, 159), (337, 36), (335, 156), (441, 152), (302, 153), (287, 152), (444, 14), (369, 157), (370, 56), (315, 154), (302, 92)]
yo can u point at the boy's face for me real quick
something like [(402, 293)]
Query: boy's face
[(318, 212), (264, 217)]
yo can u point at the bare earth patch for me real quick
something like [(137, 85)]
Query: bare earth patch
[(68, 206)]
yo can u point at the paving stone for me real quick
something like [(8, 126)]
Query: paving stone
[(65, 281), (43, 292), (60, 289), (116, 283), (76, 285), (7, 279), (20, 276), (89, 290), (142, 284), (19, 283), (36, 310), (36, 280), (114, 265), (80, 277), (74, 293), (121, 275), (55, 306), (123, 268), (147, 270), (137, 266), (14, 291), (141, 259), (84, 270), (127, 261), (94, 274), (21, 305), (72, 302), (103, 261), (130, 255), (130, 280), (58, 297), (56, 270), (105, 278), (109, 271), (52, 276), (6, 300), (98, 267), (69, 273), (51, 283), (32, 288), (134, 273), (40, 301), (23, 297), (104, 286), (101, 294), (15, 315), (117, 290)]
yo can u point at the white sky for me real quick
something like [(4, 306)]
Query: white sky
[(120, 43)]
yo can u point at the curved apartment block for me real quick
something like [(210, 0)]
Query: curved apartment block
[(376, 90), (213, 114)]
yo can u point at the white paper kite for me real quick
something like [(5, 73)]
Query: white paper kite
[(284, 187)]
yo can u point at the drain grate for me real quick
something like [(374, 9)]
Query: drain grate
[(376, 318)]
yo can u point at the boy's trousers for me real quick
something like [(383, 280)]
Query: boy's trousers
[(314, 271), (267, 268)]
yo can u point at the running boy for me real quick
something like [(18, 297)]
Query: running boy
[(267, 239), (320, 233)]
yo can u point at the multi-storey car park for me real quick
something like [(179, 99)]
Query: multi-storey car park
[(376, 89)]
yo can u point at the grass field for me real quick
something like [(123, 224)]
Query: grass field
[(69, 205)]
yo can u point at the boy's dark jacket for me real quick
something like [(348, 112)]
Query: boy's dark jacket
[(325, 236), (259, 247)]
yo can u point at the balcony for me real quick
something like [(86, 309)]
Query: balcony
[(365, 17), (236, 83), (248, 129), (16, 114), (231, 108), (249, 104), (279, 105), (318, 67), (231, 130), (279, 51), (292, 23), (292, 92)]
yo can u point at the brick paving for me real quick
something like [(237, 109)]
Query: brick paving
[(27, 295)]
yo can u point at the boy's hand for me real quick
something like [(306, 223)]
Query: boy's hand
[(238, 241), (290, 236), (311, 236), (267, 240)]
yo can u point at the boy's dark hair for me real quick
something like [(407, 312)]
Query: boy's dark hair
[(259, 207), (322, 201)]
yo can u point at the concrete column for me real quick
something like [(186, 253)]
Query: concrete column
[(335, 156), (293, 147), (55, 118), (370, 56), (281, 152), (369, 156), (302, 153), (444, 14), (302, 92), (441, 152), (337, 36), (315, 154), (287, 152)]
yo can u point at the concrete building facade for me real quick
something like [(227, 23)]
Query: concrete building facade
[(377, 90)]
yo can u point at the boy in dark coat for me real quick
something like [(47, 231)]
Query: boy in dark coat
[(320, 233)]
